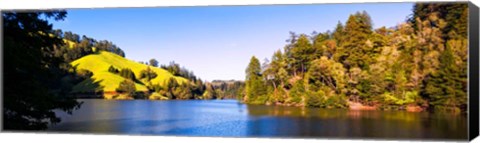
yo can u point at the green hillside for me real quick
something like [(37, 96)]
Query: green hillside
[(99, 63)]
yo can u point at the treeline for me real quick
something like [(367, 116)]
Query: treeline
[(420, 63), (194, 88), (76, 47), (230, 89)]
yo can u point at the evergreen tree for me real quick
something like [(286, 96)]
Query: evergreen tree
[(296, 94), (302, 54), (455, 13), (355, 52), (446, 88), (339, 33), (254, 85)]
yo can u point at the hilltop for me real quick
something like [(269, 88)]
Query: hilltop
[(99, 64)]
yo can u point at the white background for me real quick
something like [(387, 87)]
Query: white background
[(83, 138)]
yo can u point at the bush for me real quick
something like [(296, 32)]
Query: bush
[(140, 95), (128, 74), (148, 74), (446, 109), (259, 100), (315, 99), (410, 97), (157, 96), (113, 70), (127, 87), (336, 101), (297, 91)]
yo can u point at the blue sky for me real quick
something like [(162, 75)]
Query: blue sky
[(216, 42)]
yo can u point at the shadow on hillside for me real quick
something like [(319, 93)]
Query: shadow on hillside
[(88, 88), (85, 85)]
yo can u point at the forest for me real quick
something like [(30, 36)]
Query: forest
[(418, 65)]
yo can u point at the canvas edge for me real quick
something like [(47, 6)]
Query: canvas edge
[(473, 81)]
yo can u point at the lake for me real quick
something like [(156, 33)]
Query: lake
[(229, 118)]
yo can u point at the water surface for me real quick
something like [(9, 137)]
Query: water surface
[(229, 118)]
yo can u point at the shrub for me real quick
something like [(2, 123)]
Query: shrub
[(315, 99), (128, 74), (336, 101), (127, 87), (147, 74), (113, 70), (297, 91)]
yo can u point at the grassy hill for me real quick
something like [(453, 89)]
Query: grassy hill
[(99, 63)]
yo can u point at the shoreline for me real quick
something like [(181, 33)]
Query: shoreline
[(352, 106)]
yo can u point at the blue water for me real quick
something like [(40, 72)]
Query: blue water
[(229, 118)]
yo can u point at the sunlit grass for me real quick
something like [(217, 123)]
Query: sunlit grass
[(99, 63)]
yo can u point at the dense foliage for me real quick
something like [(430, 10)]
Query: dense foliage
[(420, 63), (127, 87), (230, 89), (76, 47), (128, 74), (33, 72)]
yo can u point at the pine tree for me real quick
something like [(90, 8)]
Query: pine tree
[(446, 87), (455, 13), (302, 54), (355, 52), (254, 84), (339, 33)]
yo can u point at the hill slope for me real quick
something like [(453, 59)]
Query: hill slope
[(99, 63)]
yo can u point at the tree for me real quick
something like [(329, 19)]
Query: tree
[(173, 68), (148, 74), (354, 50), (171, 90), (446, 88), (72, 36), (326, 73), (127, 87), (320, 46), (421, 63), (455, 13), (113, 70), (185, 91), (153, 63), (297, 92), (339, 33), (276, 72), (32, 72), (104, 45), (254, 84), (128, 74), (209, 92), (302, 54)]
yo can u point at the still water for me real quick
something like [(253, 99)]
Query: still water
[(229, 118)]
